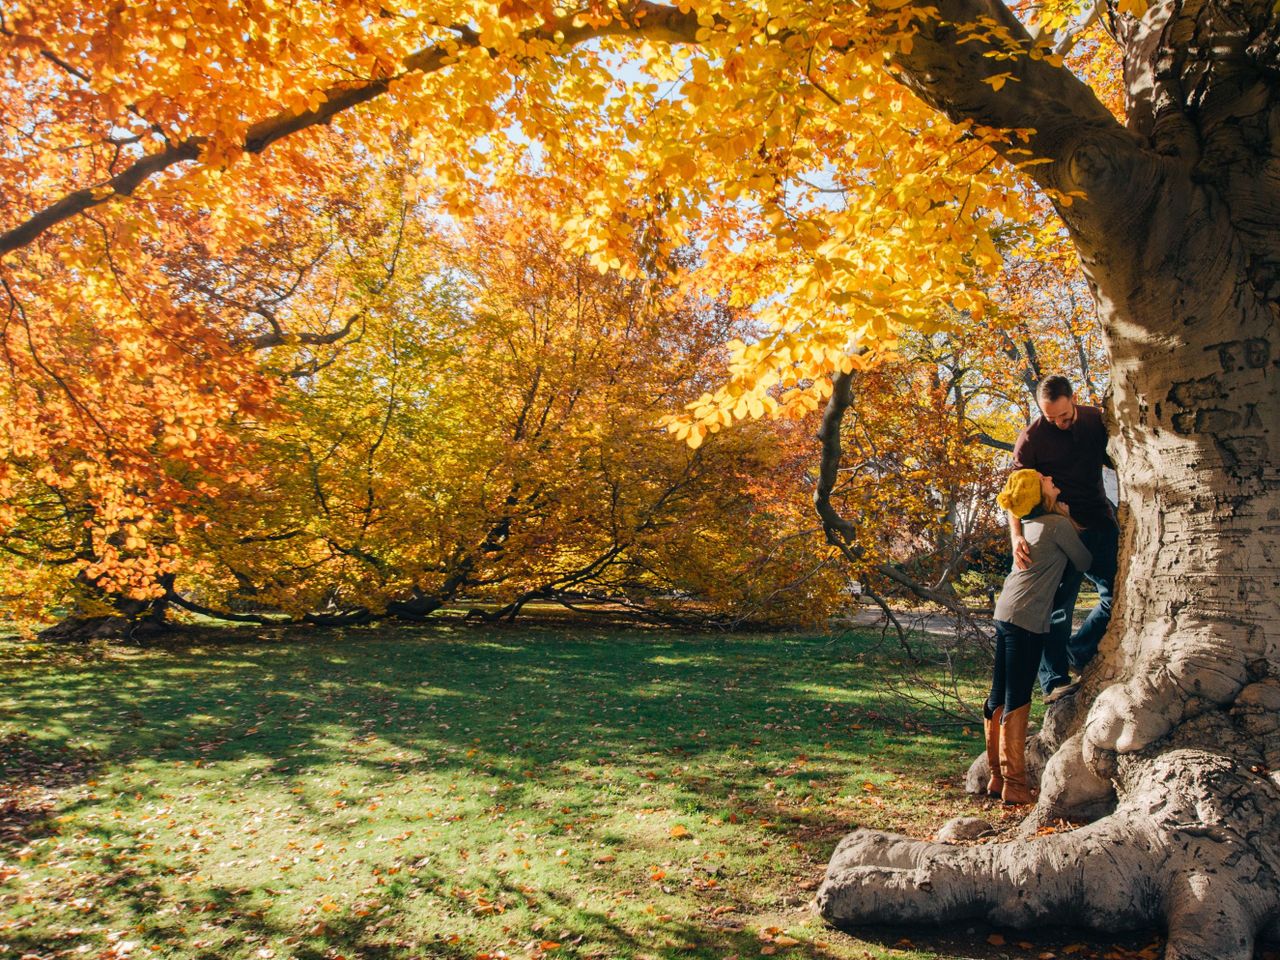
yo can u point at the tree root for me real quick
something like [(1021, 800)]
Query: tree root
[(1196, 666), (1070, 789), (88, 629), (1194, 847)]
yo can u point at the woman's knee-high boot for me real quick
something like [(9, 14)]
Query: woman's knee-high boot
[(991, 726), (1013, 756)]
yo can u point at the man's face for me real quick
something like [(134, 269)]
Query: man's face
[(1061, 412)]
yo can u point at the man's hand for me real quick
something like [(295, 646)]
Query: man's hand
[(1021, 553)]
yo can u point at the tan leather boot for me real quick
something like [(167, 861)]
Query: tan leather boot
[(991, 726), (1013, 756)]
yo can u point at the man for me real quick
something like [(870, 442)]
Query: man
[(1069, 443)]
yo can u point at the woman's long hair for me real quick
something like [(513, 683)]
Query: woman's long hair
[(1049, 503)]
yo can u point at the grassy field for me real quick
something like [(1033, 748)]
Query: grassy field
[(463, 793)]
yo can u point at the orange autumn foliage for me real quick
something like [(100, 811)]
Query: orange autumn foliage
[(188, 266)]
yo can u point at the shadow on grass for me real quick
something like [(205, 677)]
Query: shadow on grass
[(522, 703), (982, 941), (32, 773), (756, 730)]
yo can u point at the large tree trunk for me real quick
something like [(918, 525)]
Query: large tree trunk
[(1176, 731)]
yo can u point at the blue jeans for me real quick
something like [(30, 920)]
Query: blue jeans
[(1017, 653), (1062, 648)]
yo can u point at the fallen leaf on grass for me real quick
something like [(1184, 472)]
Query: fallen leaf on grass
[(678, 831), (996, 940)]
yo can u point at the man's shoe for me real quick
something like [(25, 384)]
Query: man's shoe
[(1066, 690)]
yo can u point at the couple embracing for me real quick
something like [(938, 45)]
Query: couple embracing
[(1063, 529)]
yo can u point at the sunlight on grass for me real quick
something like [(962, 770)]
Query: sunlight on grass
[(457, 793)]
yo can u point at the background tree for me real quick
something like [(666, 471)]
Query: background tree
[(492, 438), (457, 413)]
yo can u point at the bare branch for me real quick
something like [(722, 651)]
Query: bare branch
[(278, 338), (987, 440), (178, 600), (1073, 32)]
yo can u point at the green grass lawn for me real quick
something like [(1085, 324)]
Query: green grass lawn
[(457, 793)]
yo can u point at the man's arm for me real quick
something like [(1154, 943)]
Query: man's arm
[(1072, 546), (1021, 461), (1021, 551), (1103, 440)]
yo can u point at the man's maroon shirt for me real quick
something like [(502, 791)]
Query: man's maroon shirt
[(1074, 459)]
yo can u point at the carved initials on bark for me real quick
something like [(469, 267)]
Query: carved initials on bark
[(1235, 357)]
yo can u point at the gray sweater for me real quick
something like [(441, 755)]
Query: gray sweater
[(1027, 597)]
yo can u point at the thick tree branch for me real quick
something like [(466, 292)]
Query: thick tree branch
[(839, 531), (948, 66), (652, 20), (987, 440), (178, 600), (278, 338), (836, 527), (1064, 43), (965, 71)]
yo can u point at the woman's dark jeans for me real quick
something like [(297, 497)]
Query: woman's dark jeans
[(1017, 657)]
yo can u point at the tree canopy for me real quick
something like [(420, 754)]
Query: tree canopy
[(202, 246)]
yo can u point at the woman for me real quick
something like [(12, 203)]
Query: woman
[(1022, 620)]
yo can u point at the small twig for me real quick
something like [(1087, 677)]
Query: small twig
[(892, 618)]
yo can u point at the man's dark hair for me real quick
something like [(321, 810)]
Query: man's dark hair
[(1054, 388)]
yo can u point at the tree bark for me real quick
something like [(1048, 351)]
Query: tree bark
[(1173, 743)]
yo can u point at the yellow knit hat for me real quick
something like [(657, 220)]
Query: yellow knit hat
[(1021, 493)]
